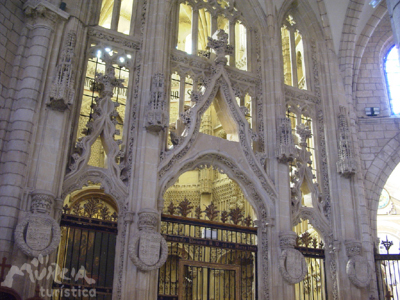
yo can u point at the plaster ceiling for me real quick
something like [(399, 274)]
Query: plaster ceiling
[(336, 10)]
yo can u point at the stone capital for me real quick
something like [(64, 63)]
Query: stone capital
[(148, 219), (43, 13), (287, 239), (353, 247)]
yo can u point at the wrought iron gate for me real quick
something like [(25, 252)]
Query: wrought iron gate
[(86, 252), (388, 273), (313, 287), (208, 259)]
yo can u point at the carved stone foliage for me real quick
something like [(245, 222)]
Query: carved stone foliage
[(43, 13), (156, 115), (219, 43), (346, 165), (104, 35), (62, 90), (38, 233), (148, 250), (292, 263), (358, 268)]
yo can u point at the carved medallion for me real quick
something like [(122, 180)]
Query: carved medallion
[(292, 265), (359, 271), (37, 234), (148, 250)]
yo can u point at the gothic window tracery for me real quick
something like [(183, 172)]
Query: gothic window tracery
[(92, 92), (392, 74), (198, 20), (294, 68)]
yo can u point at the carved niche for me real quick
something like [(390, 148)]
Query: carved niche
[(358, 268), (148, 250), (292, 263), (38, 233)]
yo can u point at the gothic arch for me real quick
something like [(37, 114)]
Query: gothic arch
[(111, 186), (378, 173), (262, 204), (218, 83)]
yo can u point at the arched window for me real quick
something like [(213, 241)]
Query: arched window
[(294, 69), (392, 74), (197, 22)]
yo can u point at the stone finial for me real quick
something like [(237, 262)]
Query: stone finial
[(42, 202), (219, 43), (305, 133)]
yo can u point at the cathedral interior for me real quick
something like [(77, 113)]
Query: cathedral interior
[(199, 149)]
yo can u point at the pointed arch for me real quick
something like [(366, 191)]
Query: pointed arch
[(261, 202)]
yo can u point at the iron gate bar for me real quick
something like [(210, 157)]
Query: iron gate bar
[(208, 224), (209, 243), (88, 223), (236, 268)]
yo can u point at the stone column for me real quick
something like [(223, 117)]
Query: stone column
[(141, 284), (41, 20)]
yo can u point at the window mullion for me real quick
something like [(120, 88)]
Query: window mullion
[(115, 15), (195, 31), (295, 81), (232, 38), (214, 24)]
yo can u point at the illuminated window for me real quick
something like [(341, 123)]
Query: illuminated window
[(294, 71), (392, 73), (116, 15), (197, 24), (92, 90)]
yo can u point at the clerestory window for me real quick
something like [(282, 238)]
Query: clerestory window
[(294, 69), (392, 74), (200, 21), (116, 15)]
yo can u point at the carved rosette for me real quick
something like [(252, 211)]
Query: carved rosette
[(156, 116), (148, 249), (38, 233), (358, 268), (286, 150), (346, 165), (292, 263)]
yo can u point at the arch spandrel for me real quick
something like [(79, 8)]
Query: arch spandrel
[(219, 84)]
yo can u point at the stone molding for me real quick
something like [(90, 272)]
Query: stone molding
[(148, 249)]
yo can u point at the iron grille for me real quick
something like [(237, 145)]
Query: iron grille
[(388, 275), (208, 260)]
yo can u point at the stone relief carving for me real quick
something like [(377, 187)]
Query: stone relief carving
[(43, 13), (103, 35), (292, 263), (286, 150), (346, 165), (358, 268), (156, 116), (148, 249), (38, 233), (62, 91)]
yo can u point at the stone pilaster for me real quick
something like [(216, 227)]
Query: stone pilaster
[(41, 18)]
